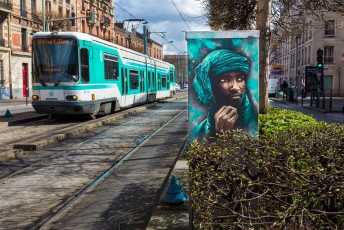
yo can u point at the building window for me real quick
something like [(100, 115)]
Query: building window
[(48, 7), (2, 79), (24, 40), (2, 40), (23, 11), (33, 8), (328, 54), (329, 28), (83, 25)]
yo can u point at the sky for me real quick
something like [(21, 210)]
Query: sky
[(164, 16)]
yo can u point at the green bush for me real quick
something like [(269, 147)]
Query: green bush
[(278, 120), (292, 178)]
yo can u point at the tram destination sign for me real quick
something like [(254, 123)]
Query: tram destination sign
[(54, 41)]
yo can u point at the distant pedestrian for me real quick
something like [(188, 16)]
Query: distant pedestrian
[(284, 85)]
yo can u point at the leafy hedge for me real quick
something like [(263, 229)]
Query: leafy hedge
[(291, 177)]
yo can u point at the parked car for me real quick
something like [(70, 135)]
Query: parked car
[(273, 87)]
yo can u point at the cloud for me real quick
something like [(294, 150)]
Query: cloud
[(162, 16)]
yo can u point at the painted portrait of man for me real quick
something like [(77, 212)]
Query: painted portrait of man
[(224, 92)]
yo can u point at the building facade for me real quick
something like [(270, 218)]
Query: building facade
[(290, 56), (19, 19), (181, 63), (135, 41)]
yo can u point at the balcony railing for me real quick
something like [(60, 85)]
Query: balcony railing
[(108, 1), (105, 21), (2, 42), (328, 59), (23, 13), (6, 4), (36, 17), (25, 48)]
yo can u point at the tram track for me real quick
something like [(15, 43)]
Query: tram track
[(36, 186), (79, 196), (42, 161), (103, 149), (14, 134)]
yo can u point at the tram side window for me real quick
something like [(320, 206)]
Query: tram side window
[(163, 81), (134, 79), (171, 76), (111, 67), (85, 72)]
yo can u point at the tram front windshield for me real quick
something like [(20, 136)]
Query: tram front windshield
[(54, 60)]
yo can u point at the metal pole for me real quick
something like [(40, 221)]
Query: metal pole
[(144, 39), (302, 93), (76, 14), (43, 15), (331, 100), (27, 91)]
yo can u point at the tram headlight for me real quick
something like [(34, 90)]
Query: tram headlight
[(71, 98), (35, 97)]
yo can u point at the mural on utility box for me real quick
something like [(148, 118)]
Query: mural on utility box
[(223, 82)]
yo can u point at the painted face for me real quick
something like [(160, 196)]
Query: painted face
[(229, 86)]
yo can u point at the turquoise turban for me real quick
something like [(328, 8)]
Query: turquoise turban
[(216, 63)]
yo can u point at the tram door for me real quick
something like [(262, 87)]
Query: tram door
[(25, 80)]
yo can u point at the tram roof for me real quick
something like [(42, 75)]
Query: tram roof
[(88, 37)]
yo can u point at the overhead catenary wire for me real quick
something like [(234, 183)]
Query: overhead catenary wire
[(181, 15), (157, 33)]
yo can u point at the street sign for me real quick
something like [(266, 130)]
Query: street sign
[(313, 78)]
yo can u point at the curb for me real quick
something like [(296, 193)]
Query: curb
[(9, 153), (35, 144), (28, 116)]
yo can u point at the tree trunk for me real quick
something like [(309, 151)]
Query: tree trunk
[(263, 24)]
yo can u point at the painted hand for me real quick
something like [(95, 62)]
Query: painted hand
[(226, 118)]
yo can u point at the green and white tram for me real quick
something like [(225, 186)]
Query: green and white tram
[(76, 73)]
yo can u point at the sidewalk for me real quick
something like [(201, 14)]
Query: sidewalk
[(321, 105), (173, 216), (11, 102)]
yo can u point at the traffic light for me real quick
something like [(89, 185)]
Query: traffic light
[(320, 67), (92, 16), (320, 59), (73, 20)]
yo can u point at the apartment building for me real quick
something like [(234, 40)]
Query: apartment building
[(290, 56), (180, 61), (135, 41), (19, 19)]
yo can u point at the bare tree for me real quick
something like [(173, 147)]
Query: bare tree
[(64, 25), (267, 15)]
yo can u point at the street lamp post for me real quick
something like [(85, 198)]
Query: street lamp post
[(145, 38), (43, 15), (144, 31)]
